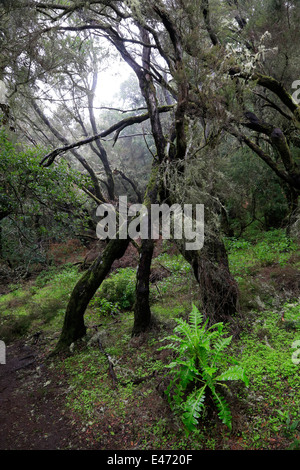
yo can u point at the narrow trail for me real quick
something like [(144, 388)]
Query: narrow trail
[(33, 413), (31, 404)]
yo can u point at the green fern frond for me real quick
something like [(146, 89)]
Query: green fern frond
[(234, 373), (223, 408), (220, 345), (200, 354), (207, 376), (184, 329), (186, 373), (203, 356), (192, 409), (195, 321)]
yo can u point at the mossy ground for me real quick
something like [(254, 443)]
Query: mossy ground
[(134, 413)]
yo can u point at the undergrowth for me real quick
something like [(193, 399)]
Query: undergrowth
[(200, 354), (246, 256), (136, 414)]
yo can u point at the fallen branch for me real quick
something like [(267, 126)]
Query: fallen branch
[(139, 380), (110, 363)]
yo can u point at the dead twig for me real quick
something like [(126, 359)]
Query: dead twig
[(110, 363)]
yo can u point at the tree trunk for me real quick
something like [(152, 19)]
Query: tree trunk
[(219, 295), (293, 204), (74, 327), (142, 312)]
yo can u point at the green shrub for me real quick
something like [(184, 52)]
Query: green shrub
[(233, 244), (119, 288), (276, 246), (57, 275), (104, 306), (200, 356), (174, 263)]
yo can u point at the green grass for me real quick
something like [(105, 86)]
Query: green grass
[(38, 305), (174, 263), (291, 312), (248, 256), (266, 354)]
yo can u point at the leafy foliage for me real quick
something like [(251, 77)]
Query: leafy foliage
[(119, 288), (25, 182), (104, 306), (200, 355), (259, 250), (37, 203)]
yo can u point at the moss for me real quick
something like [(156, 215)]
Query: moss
[(74, 327), (152, 186)]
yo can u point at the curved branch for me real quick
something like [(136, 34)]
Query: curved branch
[(129, 121), (132, 183), (81, 159), (272, 85), (289, 179), (277, 139)]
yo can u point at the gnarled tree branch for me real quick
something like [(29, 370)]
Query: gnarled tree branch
[(129, 121)]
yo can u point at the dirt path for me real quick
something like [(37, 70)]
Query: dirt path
[(31, 404)]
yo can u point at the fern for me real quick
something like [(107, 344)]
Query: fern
[(200, 353), (195, 322), (220, 346), (223, 408), (192, 409), (234, 373)]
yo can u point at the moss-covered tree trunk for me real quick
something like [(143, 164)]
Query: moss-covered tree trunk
[(142, 312), (74, 327), (219, 294), (293, 203)]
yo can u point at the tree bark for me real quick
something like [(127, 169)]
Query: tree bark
[(74, 327), (219, 294), (293, 215), (101, 150), (142, 312)]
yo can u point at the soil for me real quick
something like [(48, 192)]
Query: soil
[(30, 409), (33, 415)]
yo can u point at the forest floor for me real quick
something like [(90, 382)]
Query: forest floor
[(71, 402), (31, 414)]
